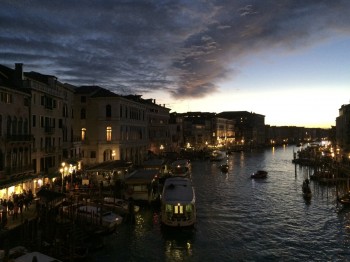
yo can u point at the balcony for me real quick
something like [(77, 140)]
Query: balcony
[(49, 130), (13, 172), (19, 138)]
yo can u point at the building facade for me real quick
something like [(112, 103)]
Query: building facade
[(16, 170), (343, 128)]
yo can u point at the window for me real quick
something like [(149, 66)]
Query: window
[(93, 154), (178, 209), (83, 99), (83, 134), (14, 126), (83, 113), (109, 133), (108, 111), (34, 120)]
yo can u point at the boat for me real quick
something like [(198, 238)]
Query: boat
[(217, 155), (345, 199), (181, 167), (35, 256), (94, 215), (224, 168), (178, 203), (259, 174), (124, 205), (306, 189), (142, 185)]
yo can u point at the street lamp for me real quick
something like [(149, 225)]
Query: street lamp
[(63, 171)]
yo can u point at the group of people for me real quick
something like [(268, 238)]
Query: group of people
[(15, 206)]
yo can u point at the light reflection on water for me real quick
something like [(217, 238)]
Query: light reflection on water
[(240, 219)]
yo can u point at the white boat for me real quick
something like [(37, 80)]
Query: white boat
[(35, 256), (121, 203), (217, 155), (181, 167), (178, 202), (95, 215)]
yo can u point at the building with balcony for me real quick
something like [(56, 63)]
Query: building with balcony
[(15, 135), (109, 126)]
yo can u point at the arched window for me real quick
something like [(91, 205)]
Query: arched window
[(109, 133), (83, 134), (108, 111)]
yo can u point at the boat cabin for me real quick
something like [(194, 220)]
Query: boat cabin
[(181, 167), (142, 185)]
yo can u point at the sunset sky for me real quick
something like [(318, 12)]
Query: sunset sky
[(288, 60)]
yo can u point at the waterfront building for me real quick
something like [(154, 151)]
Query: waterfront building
[(223, 131), (176, 132), (16, 172), (110, 126), (198, 129), (249, 127), (343, 128), (158, 130)]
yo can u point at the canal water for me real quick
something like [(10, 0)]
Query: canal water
[(240, 219)]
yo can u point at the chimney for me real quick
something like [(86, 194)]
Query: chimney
[(19, 75)]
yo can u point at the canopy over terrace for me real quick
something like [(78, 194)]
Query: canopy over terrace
[(113, 170)]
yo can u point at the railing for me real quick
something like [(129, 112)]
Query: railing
[(18, 138)]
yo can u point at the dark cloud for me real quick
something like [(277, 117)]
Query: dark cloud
[(184, 47)]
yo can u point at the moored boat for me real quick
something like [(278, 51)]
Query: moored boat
[(124, 205), (94, 215), (178, 203), (181, 167), (259, 174), (345, 199)]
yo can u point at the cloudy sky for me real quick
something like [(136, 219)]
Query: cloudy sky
[(286, 59)]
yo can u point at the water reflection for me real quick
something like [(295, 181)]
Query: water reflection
[(242, 219), (178, 243)]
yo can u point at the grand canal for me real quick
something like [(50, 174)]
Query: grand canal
[(240, 219)]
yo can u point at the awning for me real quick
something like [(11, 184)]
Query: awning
[(16, 180)]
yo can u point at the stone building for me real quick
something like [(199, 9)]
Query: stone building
[(109, 126), (343, 128), (16, 170)]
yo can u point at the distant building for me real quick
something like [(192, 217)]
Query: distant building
[(249, 127), (198, 129), (176, 132), (343, 128)]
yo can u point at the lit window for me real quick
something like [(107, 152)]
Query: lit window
[(109, 133), (83, 134), (178, 209)]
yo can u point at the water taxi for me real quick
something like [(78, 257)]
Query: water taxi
[(178, 203)]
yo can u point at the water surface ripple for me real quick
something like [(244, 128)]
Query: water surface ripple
[(240, 219)]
